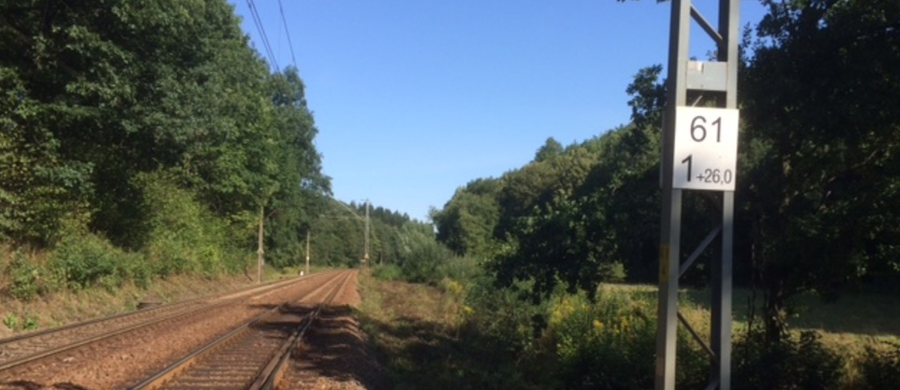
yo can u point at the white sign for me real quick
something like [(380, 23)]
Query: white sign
[(705, 148)]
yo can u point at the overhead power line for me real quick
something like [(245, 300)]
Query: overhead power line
[(262, 33), (290, 44)]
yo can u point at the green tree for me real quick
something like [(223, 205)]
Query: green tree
[(551, 149), (293, 168), (544, 225), (100, 105), (466, 223), (133, 87), (820, 94)]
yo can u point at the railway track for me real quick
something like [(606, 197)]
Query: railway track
[(24, 349), (252, 356)]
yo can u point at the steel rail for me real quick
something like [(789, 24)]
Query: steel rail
[(170, 373), (7, 340), (106, 333), (278, 363)]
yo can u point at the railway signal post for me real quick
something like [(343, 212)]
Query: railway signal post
[(699, 154)]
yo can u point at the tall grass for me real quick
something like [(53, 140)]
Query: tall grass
[(611, 343), (571, 342), (879, 367)]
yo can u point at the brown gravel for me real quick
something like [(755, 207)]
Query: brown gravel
[(335, 356), (116, 364)]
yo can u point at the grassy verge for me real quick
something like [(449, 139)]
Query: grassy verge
[(405, 323), (851, 323), (69, 306), (420, 339), (472, 336)]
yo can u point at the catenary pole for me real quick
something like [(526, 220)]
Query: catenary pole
[(692, 159)]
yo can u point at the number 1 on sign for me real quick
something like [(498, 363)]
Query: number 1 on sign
[(688, 161)]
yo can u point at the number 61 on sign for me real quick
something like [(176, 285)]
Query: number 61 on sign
[(705, 148)]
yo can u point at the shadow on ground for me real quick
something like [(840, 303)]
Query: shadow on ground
[(422, 354)]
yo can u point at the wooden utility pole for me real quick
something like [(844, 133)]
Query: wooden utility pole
[(259, 252), (366, 255)]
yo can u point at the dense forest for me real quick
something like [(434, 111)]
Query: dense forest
[(818, 183), (816, 204), (146, 138)]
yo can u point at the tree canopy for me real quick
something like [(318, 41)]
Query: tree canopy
[(98, 102)]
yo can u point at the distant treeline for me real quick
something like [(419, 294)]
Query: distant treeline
[(338, 233)]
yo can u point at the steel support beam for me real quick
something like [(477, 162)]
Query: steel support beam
[(670, 235), (712, 81), (722, 271)]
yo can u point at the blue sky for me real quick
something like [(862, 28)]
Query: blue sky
[(415, 98)]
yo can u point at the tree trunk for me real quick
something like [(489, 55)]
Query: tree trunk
[(774, 318)]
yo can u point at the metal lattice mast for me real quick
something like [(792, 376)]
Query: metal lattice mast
[(699, 153)]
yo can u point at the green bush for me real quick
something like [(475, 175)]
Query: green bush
[(421, 264), (387, 272), (30, 280), (183, 236), (88, 260), (460, 268), (25, 279), (78, 260), (791, 363), (502, 313), (84, 260), (497, 332), (614, 272), (880, 367)]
